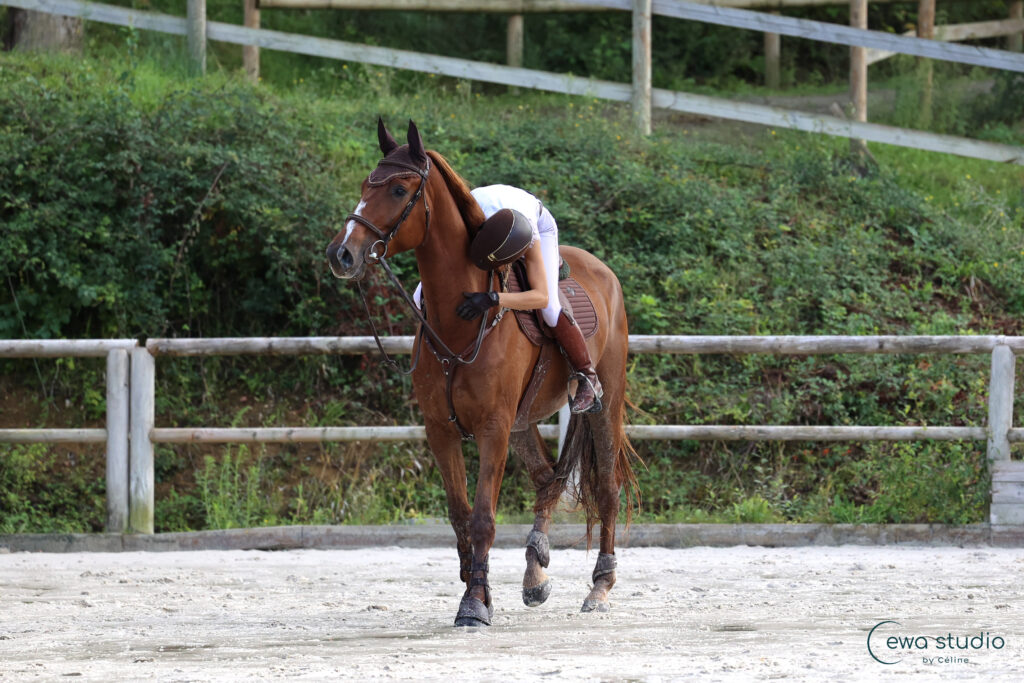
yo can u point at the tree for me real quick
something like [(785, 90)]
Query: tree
[(29, 30)]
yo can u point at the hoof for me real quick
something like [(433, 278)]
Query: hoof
[(472, 612), (590, 605), (537, 595)]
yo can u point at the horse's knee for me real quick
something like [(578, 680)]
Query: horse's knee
[(482, 528)]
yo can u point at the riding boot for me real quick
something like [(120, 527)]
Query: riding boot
[(588, 386)]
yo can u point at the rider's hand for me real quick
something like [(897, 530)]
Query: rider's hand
[(476, 304)]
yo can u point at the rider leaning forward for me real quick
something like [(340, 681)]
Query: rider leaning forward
[(519, 225)]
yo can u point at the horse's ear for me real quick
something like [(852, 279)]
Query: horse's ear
[(416, 150), (387, 143)]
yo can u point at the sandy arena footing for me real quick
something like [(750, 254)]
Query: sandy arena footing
[(718, 614)]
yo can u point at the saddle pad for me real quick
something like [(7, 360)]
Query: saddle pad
[(573, 298)]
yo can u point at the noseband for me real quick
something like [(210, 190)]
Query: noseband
[(448, 359)]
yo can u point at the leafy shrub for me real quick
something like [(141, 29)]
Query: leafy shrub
[(43, 489), (199, 211)]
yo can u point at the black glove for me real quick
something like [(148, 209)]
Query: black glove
[(476, 304)]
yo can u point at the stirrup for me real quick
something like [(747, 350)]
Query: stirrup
[(596, 406)]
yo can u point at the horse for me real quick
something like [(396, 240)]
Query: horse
[(471, 383)]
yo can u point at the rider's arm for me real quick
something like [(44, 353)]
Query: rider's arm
[(476, 304), (534, 298)]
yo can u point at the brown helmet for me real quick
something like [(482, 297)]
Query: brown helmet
[(501, 239)]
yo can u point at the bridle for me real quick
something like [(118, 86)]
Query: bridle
[(448, 359), (384, 237)]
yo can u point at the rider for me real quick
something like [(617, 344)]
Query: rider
[(542, 261)]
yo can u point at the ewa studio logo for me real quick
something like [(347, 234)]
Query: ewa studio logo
[(890, 643)]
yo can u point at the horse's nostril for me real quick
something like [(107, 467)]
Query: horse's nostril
[(346, 258)]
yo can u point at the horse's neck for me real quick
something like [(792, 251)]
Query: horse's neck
[(446, 272)]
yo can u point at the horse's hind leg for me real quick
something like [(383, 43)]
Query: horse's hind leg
[(608, 438), (533, 452)]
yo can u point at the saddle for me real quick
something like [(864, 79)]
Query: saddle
[(574, 299)]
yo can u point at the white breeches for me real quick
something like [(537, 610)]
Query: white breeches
[(549, 250), (549, 253)]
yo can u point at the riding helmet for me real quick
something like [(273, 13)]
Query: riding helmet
[(501, 239)]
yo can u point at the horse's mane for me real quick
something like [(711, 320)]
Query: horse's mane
[(470, 211)]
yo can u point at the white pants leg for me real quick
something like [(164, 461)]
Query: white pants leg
[(549, 251), (417, 296)]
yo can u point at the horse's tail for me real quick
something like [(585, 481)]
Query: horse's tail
[(580, 454)]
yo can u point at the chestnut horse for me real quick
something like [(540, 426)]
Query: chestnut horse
[(471, 382)]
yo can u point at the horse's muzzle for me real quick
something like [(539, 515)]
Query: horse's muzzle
[(343, 264)]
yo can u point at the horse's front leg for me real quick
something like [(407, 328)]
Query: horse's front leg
[(476, 608), (446, 445)]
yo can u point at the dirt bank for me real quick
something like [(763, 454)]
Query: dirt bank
[(738, 613)]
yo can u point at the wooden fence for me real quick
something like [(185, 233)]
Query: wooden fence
[(131, 432), (640, 93)]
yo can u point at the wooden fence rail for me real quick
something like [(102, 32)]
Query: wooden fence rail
[(620, 92), (131, 432), (784, 345), (837, 34), (959, 32), (531, 6)]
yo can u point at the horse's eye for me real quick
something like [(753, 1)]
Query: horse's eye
[(398, 191)]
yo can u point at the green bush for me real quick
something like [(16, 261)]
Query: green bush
[(191, 210), (45, 489)]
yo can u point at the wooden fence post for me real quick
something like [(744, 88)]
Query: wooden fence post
[(859, 74), (926, 29), (514, 44), (772, 57), (117, 441), (514, 40), (1000, 403), (141, 474), (251, 53), (1007, 508), (1015, 43), (642, 66), (196, 27)]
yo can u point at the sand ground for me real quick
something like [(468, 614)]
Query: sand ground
[(740, 613)]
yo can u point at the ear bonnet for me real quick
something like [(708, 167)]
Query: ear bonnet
[(398, 161)]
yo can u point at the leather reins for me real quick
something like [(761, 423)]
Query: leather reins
[(448, 359)]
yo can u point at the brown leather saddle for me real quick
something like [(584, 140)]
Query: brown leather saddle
[(574, 300)]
